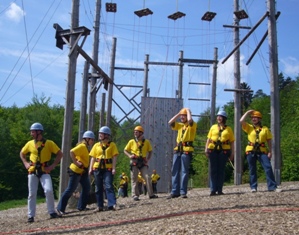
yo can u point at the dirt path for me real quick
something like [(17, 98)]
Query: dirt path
[(237, 212)]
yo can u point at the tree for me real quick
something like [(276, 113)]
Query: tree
[(246, 97)]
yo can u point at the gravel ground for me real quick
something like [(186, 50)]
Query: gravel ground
[(237, 212)]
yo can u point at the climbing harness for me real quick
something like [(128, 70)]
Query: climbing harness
[(38, 165), (256, 145), (138, 160), (103, 161), (218, 144)]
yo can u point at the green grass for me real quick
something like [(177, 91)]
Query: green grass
[(17, 203)]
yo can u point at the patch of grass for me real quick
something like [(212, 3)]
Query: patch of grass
[(17, 203)]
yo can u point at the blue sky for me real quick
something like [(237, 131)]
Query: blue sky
[(31, 64)]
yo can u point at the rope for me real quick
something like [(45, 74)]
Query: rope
[(153, 218)]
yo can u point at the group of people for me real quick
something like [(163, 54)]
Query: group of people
[(219, 149), (88, 158), (142, 183), (99, 159)]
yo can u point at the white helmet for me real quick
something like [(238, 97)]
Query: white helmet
[(88, 134), (222, 113), (36, 127), (105, 130)]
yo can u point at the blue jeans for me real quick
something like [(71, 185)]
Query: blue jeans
[(266, 164), (74, 180), (180, 173), (104, 179), (218, 161)]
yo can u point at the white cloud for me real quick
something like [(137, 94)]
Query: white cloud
[(15, 13)]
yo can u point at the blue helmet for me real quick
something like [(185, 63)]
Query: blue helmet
[(36, 127), (88, 134), (222, 113), (105, 130)]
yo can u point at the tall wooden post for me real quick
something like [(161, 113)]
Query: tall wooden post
[(214, 87), (95, 56), (69, 101), (110, 91), (145, 81), (274, 91), (83, 106), (237, 100), (180, 84)]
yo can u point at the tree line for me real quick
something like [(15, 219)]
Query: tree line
[(15, 123)]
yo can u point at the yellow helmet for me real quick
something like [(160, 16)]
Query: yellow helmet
[(139, 128), (183, 111), (256, 114), (123, 173)]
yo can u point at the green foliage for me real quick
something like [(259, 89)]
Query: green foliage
[(15, 123), (17, 203)]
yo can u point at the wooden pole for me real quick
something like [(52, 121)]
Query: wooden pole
[(69, 101), (95, 56), (237, 100), (274, 92), (180, 84), (145, 81), (214, 88), (83, 106), (110, 90)]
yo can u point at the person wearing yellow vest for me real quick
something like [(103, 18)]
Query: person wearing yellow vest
[(126, 179), (39, 168), (123, 185), (139, 151), (78, 173), (219, 148), (155, 178), (141, 183), (258, 149), (186, 131), (102, 166)]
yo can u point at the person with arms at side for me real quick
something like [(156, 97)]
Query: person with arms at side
[(102, 165), (126, 185), (219, 149), (258, 149), (141, 182), (39, 168), (120, 191), (183, 151), (139, 150), (78, 173), (155, 178)]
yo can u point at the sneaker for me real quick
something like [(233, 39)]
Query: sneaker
[(54, 215), (153, 196), (213, 193), (220, 193), (184, 196), (253, 190), (172, 196), (60, 213), (136, 198), (98, 209), (277, 190), (112, 208), (30, 220)]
